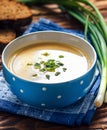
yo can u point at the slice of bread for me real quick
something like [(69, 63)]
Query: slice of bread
[(6, 36), (14, 14)]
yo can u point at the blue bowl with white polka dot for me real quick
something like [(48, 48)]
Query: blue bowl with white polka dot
[(49, 95)]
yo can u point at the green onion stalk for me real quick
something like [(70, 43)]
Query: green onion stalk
[(95, 28)]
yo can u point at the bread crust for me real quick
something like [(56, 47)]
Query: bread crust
[(6, 35), (15, 24), (14, 14)]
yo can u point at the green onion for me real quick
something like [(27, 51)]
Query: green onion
[(37, 65), (98, 40), (61, 56), (64, 69), (57, 73), (29, 64), (46, 54), (47, 76), (59, 63), (43, 70), (42, 62), (34, 75), (49, 66)]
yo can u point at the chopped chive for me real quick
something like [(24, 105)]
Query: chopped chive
[(61, 56), (60, 63), (46, 54), (48, 66), (34, 75), (49, 69), (42, 62), (64, 69), (57, 73), (37, 65), (29, 63), (43, 69), (48, 76)]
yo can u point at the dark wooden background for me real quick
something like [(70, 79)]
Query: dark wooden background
[(15, 122)]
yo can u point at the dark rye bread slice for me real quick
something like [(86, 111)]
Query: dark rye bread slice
[(14, 14), (6, 36)]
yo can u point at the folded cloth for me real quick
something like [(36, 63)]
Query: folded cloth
[(78, 113)]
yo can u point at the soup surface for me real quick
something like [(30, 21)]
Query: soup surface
[(49, 62)]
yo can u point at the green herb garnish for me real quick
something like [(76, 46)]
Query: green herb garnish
[(57, 73), (60, 63), (42, 62), (48, 66), (46, 54), (47, 76), (37, 65), (61, 56), (43, 70), (34, 75), (64, 69), (29, 64)]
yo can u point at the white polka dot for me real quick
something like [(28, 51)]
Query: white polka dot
[(81, 82), (97, 72), (13, 78), (79, 98), (43, 104), (21, 90), (44, 89), (59, 96)]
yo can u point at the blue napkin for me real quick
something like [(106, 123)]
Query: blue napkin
[(78, 113)]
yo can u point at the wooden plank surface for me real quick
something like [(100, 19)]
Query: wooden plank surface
[(15, 122)]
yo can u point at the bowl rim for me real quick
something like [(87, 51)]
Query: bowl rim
[(49, 31)]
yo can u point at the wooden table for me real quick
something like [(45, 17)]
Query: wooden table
[(15, 122)]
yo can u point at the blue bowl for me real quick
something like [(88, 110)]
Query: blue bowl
[(49, 95)]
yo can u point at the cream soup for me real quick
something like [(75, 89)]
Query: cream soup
[(49, 62)]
